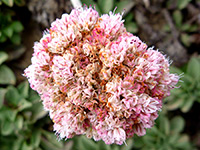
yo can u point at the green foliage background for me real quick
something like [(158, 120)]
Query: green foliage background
[(24, 125)]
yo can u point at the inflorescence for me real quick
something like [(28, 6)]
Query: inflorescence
[(97, 79)]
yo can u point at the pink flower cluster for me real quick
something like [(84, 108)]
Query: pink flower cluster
[(97, 79)]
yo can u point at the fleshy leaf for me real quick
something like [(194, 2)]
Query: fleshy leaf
[(24, 104), (105, 5), (193, 68), (8, 31), (2, 95), (23, 89), (12, 96), (132, 27), (9, 2), (17, 26), (19, 122), (177, 124), (6, 75), (3, 57), (182, 3), (124, 5), (35, 138), (187, 104), (7, 127)]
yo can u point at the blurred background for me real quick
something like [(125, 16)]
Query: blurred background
[(172, 26)]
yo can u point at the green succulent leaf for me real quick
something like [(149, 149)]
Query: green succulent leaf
[(3, 38), (124, 5), (12, 96), (149, 140), (187, 104), (182, 3), (49, 141), (8, 31), (19, 122), (188, 82), (129, 145), (88, 143), (178, 92), (23, 89), (38, 148), (33, 97), (3, 57), (175, 70), (20, 2), (193, 68), (164, 125), (184, 138), (23, 104), (37, 112), (17, 143), (7, 113), (7, 127), (102, 145), (2, 95), (17, 26), (185, 38), (92, 3), (177, 124), (115, 147), (8, 2), (131, 27), (35, 138), (137, 142), (166, 137), (177, 16), (193, 28), (183, 142), (16, 39), (185, 27), (128, 18), (175, 103), (154, 131), (173, 139), (25, 146), (6, 75), (105, 5)]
